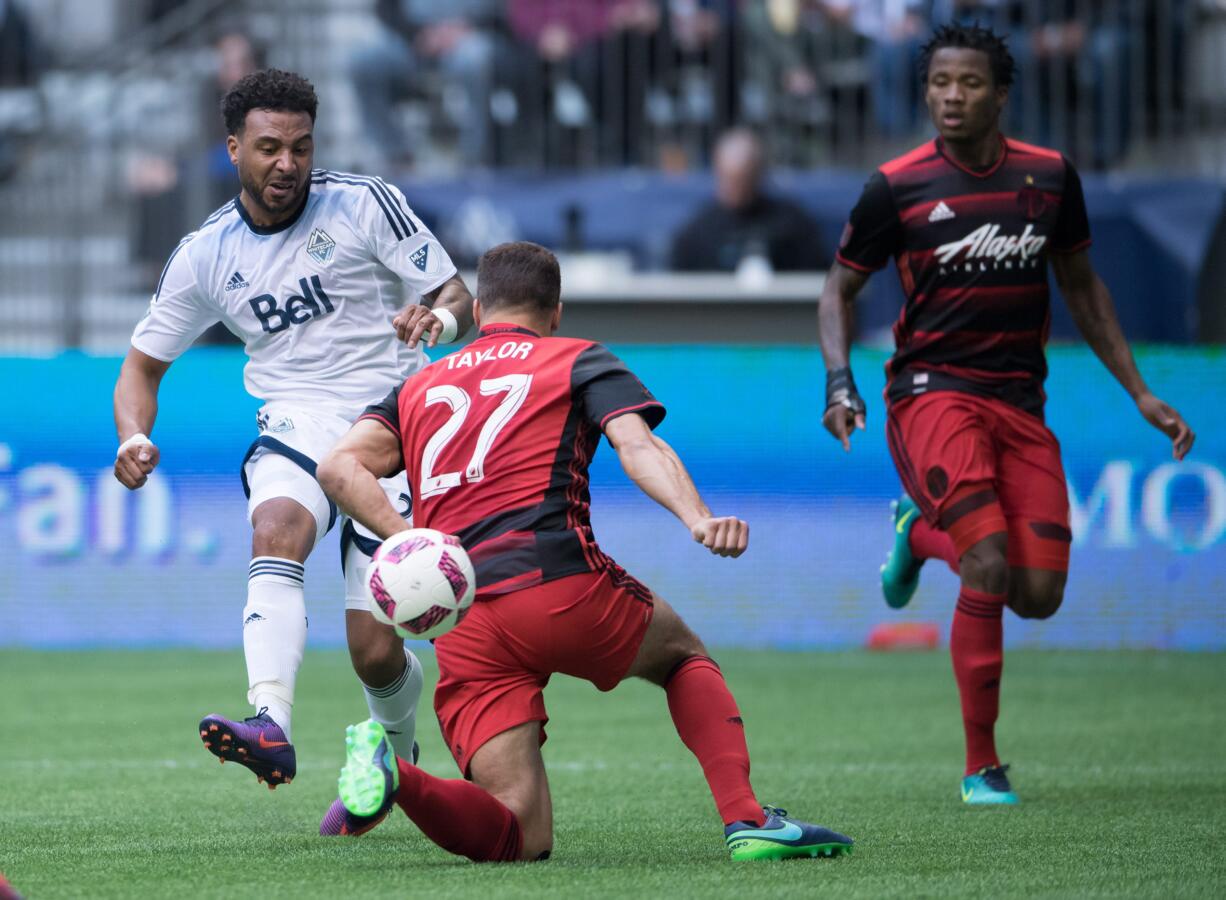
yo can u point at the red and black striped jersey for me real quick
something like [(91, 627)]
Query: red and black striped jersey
[(971, 250), (496, 440)]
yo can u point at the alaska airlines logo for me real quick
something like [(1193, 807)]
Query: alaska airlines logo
[(986, 242)]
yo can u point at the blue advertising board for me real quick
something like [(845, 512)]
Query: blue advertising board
[(83, 562)]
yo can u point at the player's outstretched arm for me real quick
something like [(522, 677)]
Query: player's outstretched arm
[(1093, 311), (350, 473), (136, 408), (451, 302), (845, 409), (656, 469)]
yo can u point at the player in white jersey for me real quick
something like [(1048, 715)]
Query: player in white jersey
[(321, 275)]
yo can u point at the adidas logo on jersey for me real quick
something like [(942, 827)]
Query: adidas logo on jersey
[(236, 281), (940, 213)]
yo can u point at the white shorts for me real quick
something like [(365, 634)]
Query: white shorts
[(281, 463)]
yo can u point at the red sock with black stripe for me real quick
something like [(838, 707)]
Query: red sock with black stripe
[(927, 542), (710, 725), (459, 816), (976, 643)]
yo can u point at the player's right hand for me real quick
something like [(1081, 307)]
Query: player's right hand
[(134, 463), (722, 535), (1167, 419), (842, 423)]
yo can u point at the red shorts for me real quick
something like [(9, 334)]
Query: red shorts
[(495, 664), (977, 466)]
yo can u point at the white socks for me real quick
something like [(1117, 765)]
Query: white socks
[(395, 706), (274, 635)]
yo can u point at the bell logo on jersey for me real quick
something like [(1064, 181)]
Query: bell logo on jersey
[(312, 303), (986, 242)]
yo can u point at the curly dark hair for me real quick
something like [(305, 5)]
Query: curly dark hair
[(267, 89), (971, 37)]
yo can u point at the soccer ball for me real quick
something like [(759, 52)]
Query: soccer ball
[(421, 582)]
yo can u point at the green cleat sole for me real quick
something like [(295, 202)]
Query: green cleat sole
[(752, 849), (362, 784)]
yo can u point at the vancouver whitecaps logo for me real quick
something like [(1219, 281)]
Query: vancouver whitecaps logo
[(986, 243)]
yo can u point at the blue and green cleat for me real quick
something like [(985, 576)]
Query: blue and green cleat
[(990, 785), (780, 837), (369, 778), (900, 574)]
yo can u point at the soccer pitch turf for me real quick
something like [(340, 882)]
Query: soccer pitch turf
[(105, 790)]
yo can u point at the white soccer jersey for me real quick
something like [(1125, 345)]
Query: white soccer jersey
[(312, 298)]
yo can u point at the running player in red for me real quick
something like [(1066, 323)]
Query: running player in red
[(496, 440), (972, 220)]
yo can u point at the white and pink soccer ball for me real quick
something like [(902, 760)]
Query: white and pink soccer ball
[(421, 582)]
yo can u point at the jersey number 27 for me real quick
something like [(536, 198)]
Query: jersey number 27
[(516, 389)]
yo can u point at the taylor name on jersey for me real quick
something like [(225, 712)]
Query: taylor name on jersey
[(311, 298)]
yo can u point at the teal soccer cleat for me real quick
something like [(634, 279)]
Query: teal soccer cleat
[(781, 837), (990, 785), (900, 574)]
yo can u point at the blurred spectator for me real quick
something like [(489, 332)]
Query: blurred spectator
[(695, 85), (175, 188), (743, 222), (19, 56), (1074, 85), (781, 79), (592, 65), (18, 51), (894, 30), (418, 38)]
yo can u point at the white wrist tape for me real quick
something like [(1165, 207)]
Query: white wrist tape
[(451, 327), (137, 438)]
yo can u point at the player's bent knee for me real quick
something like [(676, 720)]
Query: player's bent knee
[(282, 528), (985, 566), (1036, 593)]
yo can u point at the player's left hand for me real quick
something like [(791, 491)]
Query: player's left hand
[(415, 323), (722, 535), (1167, 420)]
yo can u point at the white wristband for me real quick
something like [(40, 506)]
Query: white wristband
[(137, 438), (451, 327)]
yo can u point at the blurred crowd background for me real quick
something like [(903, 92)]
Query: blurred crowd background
[(111, 147)]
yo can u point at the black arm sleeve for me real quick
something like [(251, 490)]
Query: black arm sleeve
[(603, 389), (874, 232), (387, 413), (1072, 231)]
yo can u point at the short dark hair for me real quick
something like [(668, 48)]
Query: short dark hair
[(971, 37), (267, 89), (519, 275)]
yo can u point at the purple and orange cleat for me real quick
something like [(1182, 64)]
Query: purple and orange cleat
[(256, 742)]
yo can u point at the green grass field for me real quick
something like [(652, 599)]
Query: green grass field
[(1119, 759)]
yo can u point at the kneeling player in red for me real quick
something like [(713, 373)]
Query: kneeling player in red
[(972, 221), (496, 441)]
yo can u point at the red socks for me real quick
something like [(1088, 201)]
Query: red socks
[(931, 543), (459, 816), (976, 644), (709, 724)]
